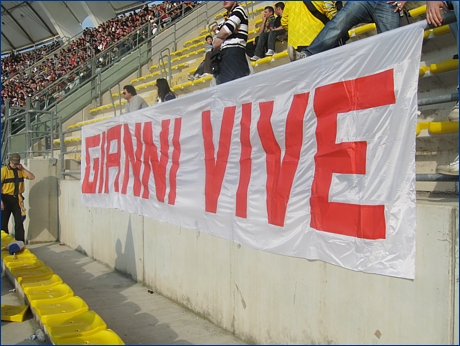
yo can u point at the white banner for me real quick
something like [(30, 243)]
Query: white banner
[(313, 159)]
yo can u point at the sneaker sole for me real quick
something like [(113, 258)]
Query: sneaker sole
[(292, 53)]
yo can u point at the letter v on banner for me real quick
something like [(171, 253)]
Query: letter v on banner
[(281, 177), (361, 221), (215, 168)]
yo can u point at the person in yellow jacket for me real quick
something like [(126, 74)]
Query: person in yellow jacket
[(13, 175), (302, 26)]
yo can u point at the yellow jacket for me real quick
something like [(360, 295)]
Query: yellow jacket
[(301, 25), (9, 181)]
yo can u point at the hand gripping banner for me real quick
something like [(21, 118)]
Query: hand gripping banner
[(312, 159)]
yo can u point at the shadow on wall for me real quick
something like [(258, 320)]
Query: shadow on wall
[(126, 260), (43, 210)]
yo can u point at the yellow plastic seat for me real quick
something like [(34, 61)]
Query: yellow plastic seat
[(14, 313), (13, 261), (20, 257), (6, 254), (44, 281), (15, 266), (20, 274), (63, 307), (79, 325), (6, 240), (44, 293), (103, 337)]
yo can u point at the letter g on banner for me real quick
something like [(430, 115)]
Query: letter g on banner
[(361, 221)]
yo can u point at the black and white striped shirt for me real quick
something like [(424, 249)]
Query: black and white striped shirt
[(237, 26)]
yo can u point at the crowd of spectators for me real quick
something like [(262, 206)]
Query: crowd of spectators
[(22, 77)]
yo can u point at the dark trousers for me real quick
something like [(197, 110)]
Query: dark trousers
[(11, 206), (267, 40), (233, 65), (205, 66)]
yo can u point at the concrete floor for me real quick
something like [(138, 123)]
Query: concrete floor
[(137, 316), (17, 333)]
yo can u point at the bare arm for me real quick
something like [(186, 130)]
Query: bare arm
[(220, 38)]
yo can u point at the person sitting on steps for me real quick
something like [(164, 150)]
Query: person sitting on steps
[(268, 38)]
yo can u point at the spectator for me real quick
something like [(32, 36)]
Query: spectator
[(134, 101), (231, 41), (205, 67), (164, 92), (16, 77), (302, 25), (353, 13), (268, 22), (13, 175), (276, 33)]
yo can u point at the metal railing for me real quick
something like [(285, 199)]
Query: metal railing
[(40, 129)]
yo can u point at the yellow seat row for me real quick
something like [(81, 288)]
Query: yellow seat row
[(66, 318), (68, 140), (259, 9), (437, 127), (153, 67), (444, 66), (86, 122), (107, 106)]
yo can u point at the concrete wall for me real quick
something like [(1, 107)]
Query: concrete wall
[(267, 298), (41, 201)]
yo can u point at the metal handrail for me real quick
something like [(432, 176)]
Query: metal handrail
[(161, 63)]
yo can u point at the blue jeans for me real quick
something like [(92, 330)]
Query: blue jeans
[(354, 13), (233, 65), (268, 38)]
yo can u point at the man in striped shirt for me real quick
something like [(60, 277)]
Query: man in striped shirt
[(231, 40)]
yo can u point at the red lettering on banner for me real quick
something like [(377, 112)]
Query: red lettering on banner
[(245, 161), (87, 185), (281, 177), (361, 221), (101, 169), (215, 168), (135, 161), (151, 162), (113, 159), (175, 161)]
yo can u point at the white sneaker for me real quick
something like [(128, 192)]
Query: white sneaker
[(255, 57), (270, 52), (294, 54), (205, 75), (453, 115), (450, 169)]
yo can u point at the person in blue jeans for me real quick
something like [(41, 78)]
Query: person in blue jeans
[(382, 13)]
